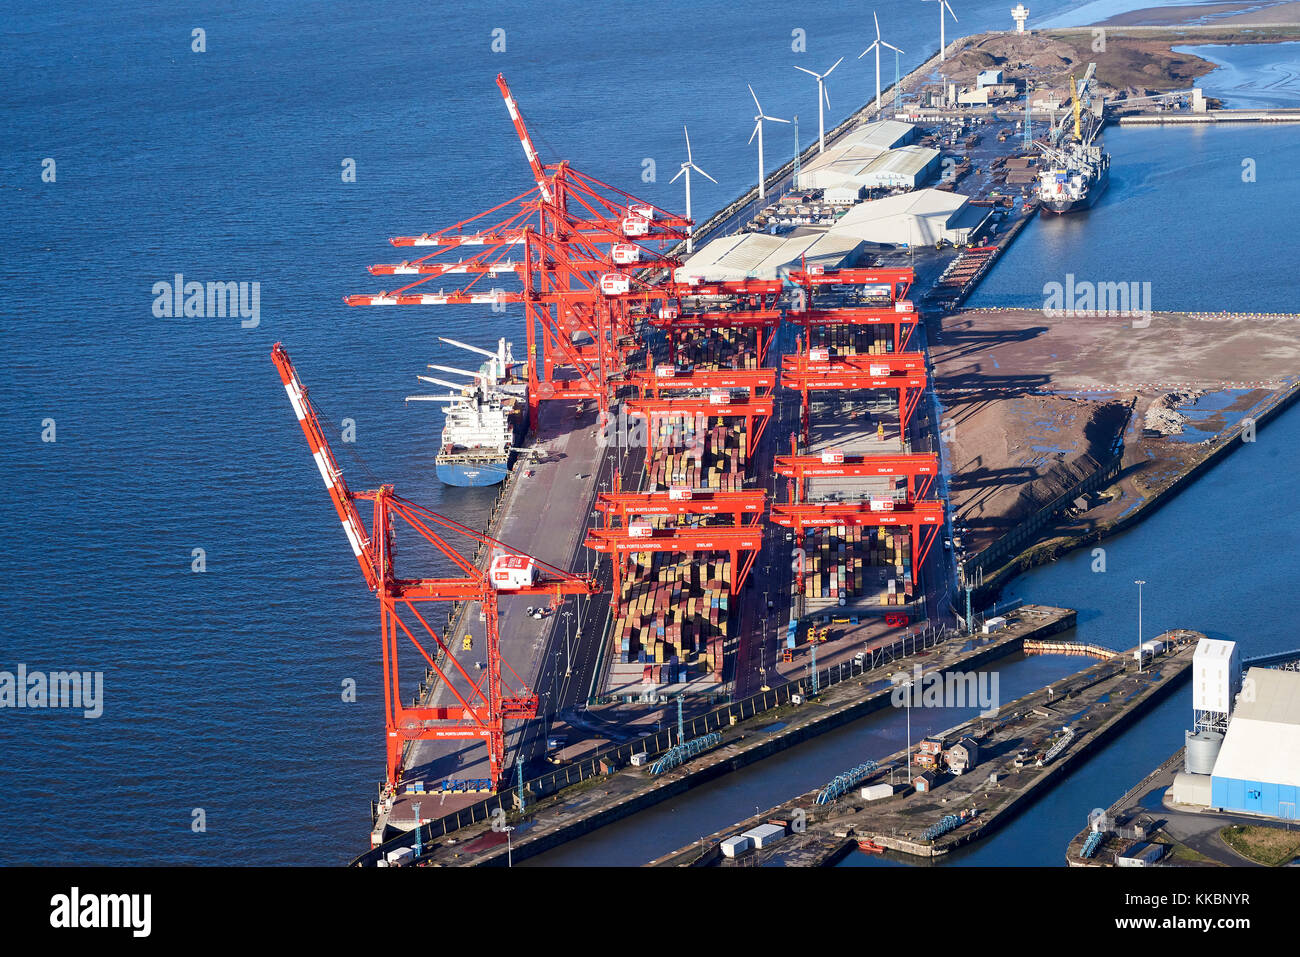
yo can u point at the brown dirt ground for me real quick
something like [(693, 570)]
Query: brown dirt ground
[(1136, 65), (1026, 394), (1007, 456)]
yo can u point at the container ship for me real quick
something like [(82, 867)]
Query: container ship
[(484, 418)]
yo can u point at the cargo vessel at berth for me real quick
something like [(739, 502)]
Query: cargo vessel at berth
[(1074, 174), (1074, 178), (485, 418)]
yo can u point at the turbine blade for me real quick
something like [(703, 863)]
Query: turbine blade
[(755, 96), (679, 174), (894, 48), (774, 119), (688, 142), (755, 133), (809, 72), (877, 19), (826, 96), (949, 6), (832, 69), (704, 174)]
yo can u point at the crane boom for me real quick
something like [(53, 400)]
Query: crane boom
[(344, 502), (530, 152)]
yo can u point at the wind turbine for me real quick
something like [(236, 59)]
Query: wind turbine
[(686, 169), (822, 96), (942, 5), (758, 131), (876, 46)]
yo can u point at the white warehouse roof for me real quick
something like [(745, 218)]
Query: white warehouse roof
[(855, 149), (760, 256), (1263, 739), (833, 173), (881, 135), (907, 166), (921, 217)]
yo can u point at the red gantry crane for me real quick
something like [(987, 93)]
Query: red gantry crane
[(903, 371), (919, 468), (887, 285), (922, 519), (483, 704), (575, 243), (764, 322), (682, 500)]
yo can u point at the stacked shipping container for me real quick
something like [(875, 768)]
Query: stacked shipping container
[(697, 454), (673, 614), (838, 559), (854, 340)]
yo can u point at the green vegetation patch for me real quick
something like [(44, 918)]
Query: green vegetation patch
[(1271, 846)]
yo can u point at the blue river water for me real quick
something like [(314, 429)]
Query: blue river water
[(225, 737)]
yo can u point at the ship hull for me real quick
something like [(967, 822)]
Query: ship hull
[(472, 474), (1086, 202)]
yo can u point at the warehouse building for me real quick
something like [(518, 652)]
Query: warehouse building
[(1258, 767), (923, 217), (760, 256), (904, 168), (841, 170)]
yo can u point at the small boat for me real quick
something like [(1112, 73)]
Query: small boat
[(868, 846)]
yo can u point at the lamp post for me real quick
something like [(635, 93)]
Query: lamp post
[(1139, 582), (908, 686), (568, 651), (510, 859)]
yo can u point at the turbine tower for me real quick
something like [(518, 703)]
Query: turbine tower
[(943, 4), (876, 46), (758, 131), (686, 170), (822, 99)]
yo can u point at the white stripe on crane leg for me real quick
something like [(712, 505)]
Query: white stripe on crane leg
[(325, 473), (510, 106), (353, 538), (295, 399)]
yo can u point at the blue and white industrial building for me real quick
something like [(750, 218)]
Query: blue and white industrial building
[(1243, 755), (1258, 768)]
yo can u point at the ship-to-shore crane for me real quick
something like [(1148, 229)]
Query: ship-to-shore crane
[(482, 705)]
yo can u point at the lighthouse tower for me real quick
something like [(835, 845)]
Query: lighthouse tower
[(1020, 13)]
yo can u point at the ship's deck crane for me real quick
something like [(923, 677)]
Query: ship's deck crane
[(483, 704), (1081, 98)]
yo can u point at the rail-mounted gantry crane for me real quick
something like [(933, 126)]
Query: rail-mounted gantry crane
[(482, 705)]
